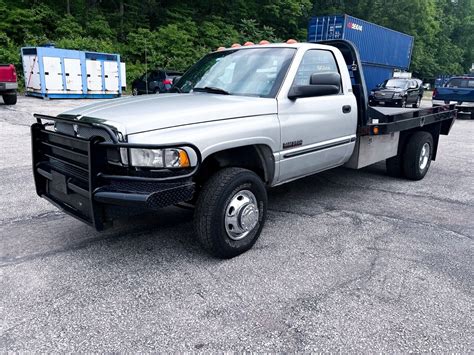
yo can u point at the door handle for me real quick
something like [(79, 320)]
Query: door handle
[(346, 108)]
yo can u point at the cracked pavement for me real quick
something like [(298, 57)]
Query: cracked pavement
[(349, 261)]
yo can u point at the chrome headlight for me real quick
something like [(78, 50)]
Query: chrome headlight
[(156, 158)]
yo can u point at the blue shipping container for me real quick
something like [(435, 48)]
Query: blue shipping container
[(376, 44), (381, 49)]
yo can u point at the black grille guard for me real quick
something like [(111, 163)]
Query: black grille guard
[(75, 173)]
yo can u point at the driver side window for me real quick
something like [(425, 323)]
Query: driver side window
[(315, 61)]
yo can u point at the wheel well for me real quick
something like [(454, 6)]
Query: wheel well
[(257, 158)]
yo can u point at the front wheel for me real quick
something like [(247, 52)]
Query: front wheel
[(230, 212), (417, 155)]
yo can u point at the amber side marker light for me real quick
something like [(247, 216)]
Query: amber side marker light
[(184, 159)]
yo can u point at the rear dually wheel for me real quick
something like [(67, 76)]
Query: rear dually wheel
[(417, 155)]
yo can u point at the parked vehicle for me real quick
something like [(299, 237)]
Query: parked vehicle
[(458, 91), (155, 82), (8, 83), (240, 121), (398, 92)]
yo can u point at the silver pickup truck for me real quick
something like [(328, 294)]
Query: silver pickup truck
[(238, 122)]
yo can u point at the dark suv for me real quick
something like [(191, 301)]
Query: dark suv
[(398, 92), (154, 82)]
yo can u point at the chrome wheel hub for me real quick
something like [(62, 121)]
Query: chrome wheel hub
[(424, 156), (241, 215)]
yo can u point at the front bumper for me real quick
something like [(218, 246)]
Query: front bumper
[(396, 101), (78, 176)]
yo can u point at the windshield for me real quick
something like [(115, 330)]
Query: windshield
[(395, 84), (247, 72)]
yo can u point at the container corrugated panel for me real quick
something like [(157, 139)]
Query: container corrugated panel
[(376, 44)]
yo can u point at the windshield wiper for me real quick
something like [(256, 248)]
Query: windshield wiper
[(212, 90)]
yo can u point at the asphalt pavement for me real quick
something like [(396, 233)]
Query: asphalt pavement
[(349, 261)]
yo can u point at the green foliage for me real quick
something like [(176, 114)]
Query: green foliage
[(174, 34)]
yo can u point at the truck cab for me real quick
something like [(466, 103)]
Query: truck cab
[(238, 122)]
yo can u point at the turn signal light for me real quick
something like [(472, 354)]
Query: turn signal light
[(184, 159)]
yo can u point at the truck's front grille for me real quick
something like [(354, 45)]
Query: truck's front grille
[(383, 95)]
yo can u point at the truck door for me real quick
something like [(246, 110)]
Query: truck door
[(317, 133)]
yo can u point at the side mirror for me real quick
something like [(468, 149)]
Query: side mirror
[(175, 79), (320, 84)]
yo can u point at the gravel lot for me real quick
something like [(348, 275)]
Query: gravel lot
[(351, 261)]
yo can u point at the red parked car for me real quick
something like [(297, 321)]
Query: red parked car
[(8, 83)]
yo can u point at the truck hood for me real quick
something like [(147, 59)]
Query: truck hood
[(145, 113)]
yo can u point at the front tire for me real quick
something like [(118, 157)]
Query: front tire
[(9, 99), (417, 155), (230, 212)]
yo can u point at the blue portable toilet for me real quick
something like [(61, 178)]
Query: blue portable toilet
[(62, 73), (382, 50)]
